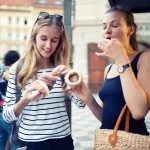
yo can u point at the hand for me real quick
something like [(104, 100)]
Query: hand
[(49, 79), (32, 94), (113, 49), (60, 70), (82, 92)]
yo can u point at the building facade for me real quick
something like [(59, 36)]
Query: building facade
[(17, 18)]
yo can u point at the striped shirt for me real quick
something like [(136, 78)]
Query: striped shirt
[(43, 119)]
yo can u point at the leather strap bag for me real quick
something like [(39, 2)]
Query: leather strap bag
[(107, 139)]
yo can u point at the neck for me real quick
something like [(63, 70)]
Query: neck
[(46, 64)]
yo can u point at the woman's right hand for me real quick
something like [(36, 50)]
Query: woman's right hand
[(113, 49), (32, 94)]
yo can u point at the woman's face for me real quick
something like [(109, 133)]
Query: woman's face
[(47, 40), (115, 26)]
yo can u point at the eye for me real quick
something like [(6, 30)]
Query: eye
[(104, 26), (54, 40), (43, 38), (115, 24)]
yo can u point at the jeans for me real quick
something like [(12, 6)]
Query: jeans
[(4, 132)]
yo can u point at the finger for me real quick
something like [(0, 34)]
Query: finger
[(62, 69), (31, 88), (100, 54), (55, 72), (65, 72)]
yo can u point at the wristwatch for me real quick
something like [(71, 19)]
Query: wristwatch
[(122, 68)]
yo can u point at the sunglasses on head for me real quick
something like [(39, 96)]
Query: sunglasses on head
[(45, 15)]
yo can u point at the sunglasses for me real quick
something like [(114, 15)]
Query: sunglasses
[(45, 15)]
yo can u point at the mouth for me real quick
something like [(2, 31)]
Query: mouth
[(48, 50), (109, 38)]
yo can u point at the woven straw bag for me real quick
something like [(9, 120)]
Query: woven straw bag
[(107, 139)]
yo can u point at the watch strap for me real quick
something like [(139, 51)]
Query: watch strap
[(126, 66)]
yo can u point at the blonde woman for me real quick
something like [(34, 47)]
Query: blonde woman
[(44, 122)]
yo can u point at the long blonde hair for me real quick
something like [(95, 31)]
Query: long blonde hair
[(31, 60)]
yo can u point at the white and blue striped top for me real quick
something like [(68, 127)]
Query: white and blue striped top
[(43, 119)]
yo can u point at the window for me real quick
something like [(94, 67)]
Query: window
[(25, 21), (17, 36), (9, 35), (17, 20), (9, 20)]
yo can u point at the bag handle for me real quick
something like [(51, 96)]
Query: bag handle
[(113, 138)]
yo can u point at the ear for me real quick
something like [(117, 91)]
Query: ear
[(131, 30)]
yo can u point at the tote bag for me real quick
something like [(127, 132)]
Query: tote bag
[(107, 139)]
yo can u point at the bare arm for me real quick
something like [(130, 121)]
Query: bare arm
[(135, 91), (86, 96), (95, 108)]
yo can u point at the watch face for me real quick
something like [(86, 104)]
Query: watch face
[(120, 69)]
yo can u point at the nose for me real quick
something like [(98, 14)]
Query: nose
[(48, 44), (108, 30)]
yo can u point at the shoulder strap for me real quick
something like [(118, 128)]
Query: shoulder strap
[(135, 62), (108, 70)]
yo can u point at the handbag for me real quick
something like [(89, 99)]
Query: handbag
[(108, 139)]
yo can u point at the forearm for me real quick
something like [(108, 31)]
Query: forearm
[(12, 112), (18, 107), (95, 108), (134, 95)]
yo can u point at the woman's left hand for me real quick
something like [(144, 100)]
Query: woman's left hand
[(82, 92), (49, 79), (113, 49), (60, 70)]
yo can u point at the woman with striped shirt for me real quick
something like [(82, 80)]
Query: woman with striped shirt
[(44, 120)]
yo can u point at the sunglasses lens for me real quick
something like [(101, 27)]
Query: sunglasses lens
[(57, 17), (45, 15)]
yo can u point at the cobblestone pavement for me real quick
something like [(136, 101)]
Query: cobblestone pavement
[(83, 126)]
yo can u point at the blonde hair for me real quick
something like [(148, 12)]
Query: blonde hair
[(31, 60)]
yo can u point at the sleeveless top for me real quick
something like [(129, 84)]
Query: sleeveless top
[(113, 101)]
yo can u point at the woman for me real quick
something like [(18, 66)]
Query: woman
[(44, 120), (126, 80)]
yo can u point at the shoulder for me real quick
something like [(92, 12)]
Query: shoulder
[(144, 58), (13, 68)]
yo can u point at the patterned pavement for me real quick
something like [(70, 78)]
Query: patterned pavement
[(83, 126)]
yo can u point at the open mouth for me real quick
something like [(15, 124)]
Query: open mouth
[(109, 38), (46, 50)]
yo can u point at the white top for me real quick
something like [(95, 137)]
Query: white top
[(43, 119)]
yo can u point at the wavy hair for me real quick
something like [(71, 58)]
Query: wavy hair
[(31, 60)]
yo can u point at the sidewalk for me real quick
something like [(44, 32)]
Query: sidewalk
[(84, 124)]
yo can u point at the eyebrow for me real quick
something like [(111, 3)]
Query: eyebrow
[(112, 21)]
